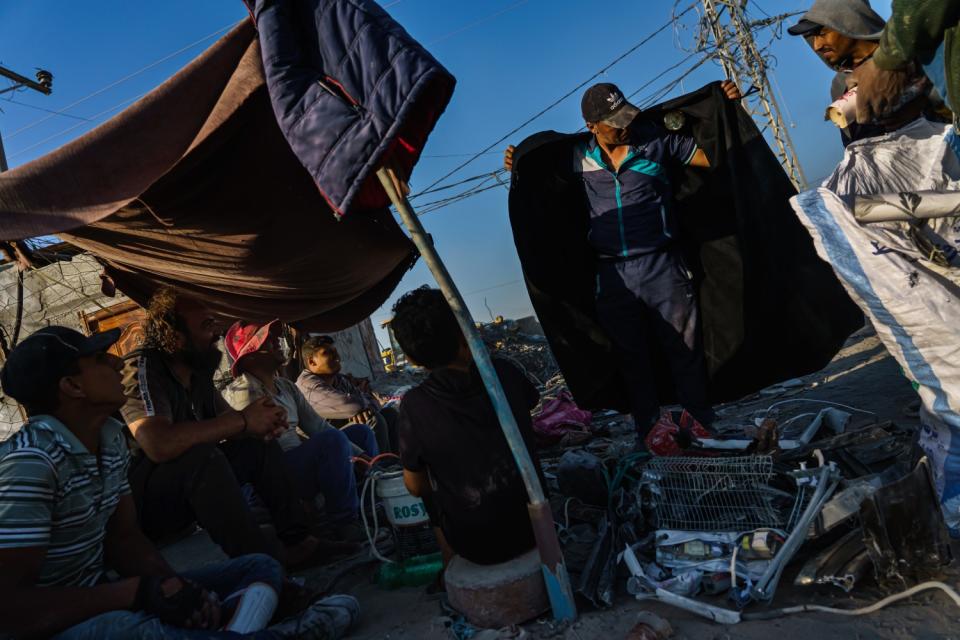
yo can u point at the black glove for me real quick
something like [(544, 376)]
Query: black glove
[(175, 609)]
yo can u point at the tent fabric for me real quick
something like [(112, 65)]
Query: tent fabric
[(195, 186), (771, 309), (351, 90)]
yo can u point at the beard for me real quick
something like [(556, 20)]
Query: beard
[(205, 361)]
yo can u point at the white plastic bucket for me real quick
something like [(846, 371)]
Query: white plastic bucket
[(403, 509)]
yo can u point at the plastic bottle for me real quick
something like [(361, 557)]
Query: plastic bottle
[(412, 572)]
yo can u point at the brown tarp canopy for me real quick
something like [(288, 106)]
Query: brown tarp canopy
[(196, 187)]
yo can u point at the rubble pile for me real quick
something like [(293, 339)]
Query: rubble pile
[(522, 342)]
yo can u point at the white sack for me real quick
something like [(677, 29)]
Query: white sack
[(913, 302)]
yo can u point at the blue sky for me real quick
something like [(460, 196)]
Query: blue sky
[(511, 59)]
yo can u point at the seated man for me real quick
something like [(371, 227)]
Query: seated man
[(322, 462), (453, 452), (68, 517), (340, 397), (192, 452)]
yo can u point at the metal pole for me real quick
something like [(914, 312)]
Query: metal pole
[(3, 157), (19, 80), (45, 89), (541, 517)]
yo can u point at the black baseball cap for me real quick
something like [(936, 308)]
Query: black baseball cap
[(804, 27), (604, 102), (45, 356)]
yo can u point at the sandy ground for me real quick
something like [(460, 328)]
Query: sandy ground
[(862, 375)]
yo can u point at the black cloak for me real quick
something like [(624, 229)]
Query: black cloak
[(770, 308)]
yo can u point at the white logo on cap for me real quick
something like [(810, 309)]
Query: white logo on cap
[(615, 100)]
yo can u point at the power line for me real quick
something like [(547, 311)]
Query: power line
[(35, 107), (565, 96), (121, 80), (486, 177), (658, 95), (670, 86), (476, 22), (440, 204), (62, 112), (76, 126), (669, 69), (451, 185), (455, 155)]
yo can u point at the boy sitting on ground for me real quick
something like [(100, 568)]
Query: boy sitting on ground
[(453, 451), (341, 398), (67, 517)]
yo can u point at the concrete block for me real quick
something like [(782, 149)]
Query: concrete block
[(494, 596)]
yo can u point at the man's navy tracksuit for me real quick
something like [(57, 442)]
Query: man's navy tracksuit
[(644, 290)]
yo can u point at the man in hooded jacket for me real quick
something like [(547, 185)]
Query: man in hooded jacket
[(845, 34)]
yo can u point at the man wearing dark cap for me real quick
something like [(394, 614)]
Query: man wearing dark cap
[(644, 290), (845, 34), (67, 517)]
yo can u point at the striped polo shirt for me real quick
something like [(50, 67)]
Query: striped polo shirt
[(631, 208), (56, 494)]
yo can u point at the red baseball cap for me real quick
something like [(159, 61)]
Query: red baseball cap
[(242, 339)]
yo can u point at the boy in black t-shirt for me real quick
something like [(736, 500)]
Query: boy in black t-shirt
[(453, 451)]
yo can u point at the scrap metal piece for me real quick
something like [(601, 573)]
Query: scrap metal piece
[(845, 504), (841, 564), (825, 480), (904, 529), (642, 588), (718, 494)]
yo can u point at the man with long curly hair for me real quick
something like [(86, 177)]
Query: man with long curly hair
[(192, 452)]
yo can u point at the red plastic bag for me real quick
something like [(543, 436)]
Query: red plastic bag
[(662, 441)]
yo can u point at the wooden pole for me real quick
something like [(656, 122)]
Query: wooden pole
[(551, 559)]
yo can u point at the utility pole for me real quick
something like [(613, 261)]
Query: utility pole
[(742, 62), (43, 84)]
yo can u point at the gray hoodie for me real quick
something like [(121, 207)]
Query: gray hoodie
[(852, 18)]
